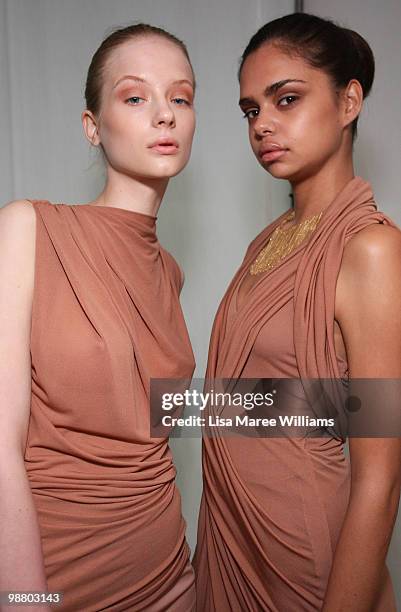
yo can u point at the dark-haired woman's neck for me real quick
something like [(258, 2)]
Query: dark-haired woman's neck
[(314, 193)]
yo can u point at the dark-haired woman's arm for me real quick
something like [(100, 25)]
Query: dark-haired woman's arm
[(368, 309)]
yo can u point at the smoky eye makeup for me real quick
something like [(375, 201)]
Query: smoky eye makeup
[(177, 91), (182, 99), (131, 89), (287, 99), (289, 92), (132, 92), (249, 109), (183, 93)]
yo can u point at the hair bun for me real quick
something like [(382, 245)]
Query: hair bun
[(366, 60)]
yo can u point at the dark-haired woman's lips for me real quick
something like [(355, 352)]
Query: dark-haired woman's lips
[(269, 155)]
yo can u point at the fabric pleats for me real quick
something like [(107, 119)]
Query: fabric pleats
[(106, 319), (272, 508)]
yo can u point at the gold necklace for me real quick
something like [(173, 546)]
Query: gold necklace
[(283, 241)]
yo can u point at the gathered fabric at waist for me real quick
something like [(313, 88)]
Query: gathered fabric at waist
[(117, 556), (99, 466)]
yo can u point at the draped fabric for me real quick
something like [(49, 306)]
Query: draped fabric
[(106, 318), (272, 508)]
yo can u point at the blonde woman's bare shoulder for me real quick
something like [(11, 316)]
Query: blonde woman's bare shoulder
[(17, 272), (17, 212), (17, 238)]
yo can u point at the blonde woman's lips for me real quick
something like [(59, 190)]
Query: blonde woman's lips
[(165, 146)]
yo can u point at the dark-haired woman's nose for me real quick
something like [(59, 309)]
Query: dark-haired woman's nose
[(263, 126)]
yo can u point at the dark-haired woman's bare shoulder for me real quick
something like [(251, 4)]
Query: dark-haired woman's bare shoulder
[(371, 256), (368, 301), (375, 244)]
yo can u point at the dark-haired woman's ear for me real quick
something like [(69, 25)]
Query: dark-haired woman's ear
[(352, 101), (90, 127)]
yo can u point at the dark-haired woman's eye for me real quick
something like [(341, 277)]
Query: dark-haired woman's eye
[(251, 113), (134, 100), (289, 100)]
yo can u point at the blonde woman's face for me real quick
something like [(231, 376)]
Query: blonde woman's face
[(295, 120), (146, 120)]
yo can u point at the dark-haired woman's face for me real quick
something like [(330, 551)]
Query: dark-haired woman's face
[(296, 122)]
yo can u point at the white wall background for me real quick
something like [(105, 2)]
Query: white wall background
[(223, 198), (378, 146)]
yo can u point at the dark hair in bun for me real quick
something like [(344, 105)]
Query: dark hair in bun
[(342, 53)]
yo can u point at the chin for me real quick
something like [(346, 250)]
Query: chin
[(165, 173), (150, 169), (277, 170), (153, 172), (169, 170)]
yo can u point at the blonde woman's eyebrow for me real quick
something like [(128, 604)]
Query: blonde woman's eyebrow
[(132, 77), (183, 82)]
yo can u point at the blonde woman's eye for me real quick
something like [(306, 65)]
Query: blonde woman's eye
[(288, 99), (181, 101), (134, 100)]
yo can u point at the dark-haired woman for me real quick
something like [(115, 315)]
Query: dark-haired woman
[(88, 503), (285, 524)]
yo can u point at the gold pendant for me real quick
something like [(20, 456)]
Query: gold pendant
[(283, 241)]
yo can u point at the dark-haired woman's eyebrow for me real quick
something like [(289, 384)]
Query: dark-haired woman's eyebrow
[(270, 90), (246, 101), (274, 87)]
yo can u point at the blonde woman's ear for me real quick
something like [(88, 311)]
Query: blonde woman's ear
[(90, 127)]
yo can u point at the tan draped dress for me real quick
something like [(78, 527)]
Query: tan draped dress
[(272, 508), (106, 318)]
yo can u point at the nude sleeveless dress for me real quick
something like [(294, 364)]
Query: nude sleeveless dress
[(106, 318), (272, 508)]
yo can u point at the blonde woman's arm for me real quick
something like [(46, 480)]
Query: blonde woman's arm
[(21, 559)]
